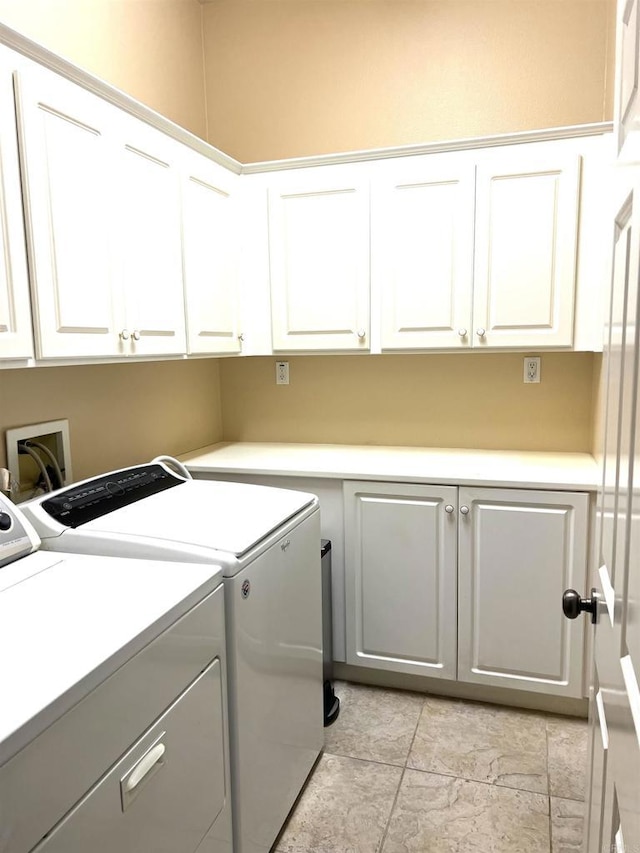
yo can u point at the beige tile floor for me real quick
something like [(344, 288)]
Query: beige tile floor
[(407, 773)]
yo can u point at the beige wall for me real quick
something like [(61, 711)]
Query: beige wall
[(290, 77), (119, 414), (462, 400), (287, 78), (151, 49)]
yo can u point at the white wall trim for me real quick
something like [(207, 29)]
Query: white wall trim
[(31, 49), (473, 142)]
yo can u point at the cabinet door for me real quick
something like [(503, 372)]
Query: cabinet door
[(525, 255), (518, 552), (319, 259), (67, 157), (400, 575), (150, 240), (211, 256), (422, 252), (16, 340)]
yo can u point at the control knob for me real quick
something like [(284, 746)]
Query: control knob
[(5, 521)]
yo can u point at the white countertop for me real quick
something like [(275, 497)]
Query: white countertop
[(67, 622), (500, 468)]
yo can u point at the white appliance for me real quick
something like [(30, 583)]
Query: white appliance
[(113, 720), (268, 543)]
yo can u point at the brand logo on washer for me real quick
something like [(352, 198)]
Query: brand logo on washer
[(245, 589)]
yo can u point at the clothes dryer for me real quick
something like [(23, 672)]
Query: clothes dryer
[(267, 542)]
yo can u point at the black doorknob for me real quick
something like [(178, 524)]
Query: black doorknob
[(573, 605)]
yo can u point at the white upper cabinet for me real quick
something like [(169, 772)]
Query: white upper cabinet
[(211, 239), (319, 260), (102, 198), (422, 251), (16, 340), (66, 136), (525, 249), (149, 239)]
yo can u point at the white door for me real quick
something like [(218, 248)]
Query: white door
[(66, 137), (613, 817), (319, 259), (150, 240), (422, 251), (16, 340), (518, 550), (400, 575), (525, 256), (211, 229)]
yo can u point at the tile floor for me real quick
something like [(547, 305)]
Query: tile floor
[(407, 773)]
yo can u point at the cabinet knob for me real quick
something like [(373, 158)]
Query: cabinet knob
[(573, 605), (362, 334), (464, 510), (462, 333), (241, 336), (448, 509), (480, 333), (135, 335), (125, 334)]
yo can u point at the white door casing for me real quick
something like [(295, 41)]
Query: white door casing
[(613, 814)]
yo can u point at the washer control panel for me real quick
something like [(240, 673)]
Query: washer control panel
[(94, 498), (16, 537)]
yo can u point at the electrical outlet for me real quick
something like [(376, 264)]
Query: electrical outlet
[(282, 372), (532, 369)]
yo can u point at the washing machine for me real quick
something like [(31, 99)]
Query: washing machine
[(113, 720), (267, 542)]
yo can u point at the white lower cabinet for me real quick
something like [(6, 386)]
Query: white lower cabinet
[(518, 551), (465, 583), (400, 561)]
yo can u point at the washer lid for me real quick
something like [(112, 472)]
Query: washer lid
[(231, 517)]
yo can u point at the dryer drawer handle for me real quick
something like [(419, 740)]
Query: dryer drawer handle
[(144, 766)]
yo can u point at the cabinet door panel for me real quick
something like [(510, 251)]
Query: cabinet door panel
[(319, 250), (400, 576), (422, 253), (526, 234), (68, 169), (519, 551), (16, 339), (211, 257), (151, 242)]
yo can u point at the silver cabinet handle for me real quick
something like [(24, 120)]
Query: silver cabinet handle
[(284, 545), (125, 334), (448, 509), (136, 335), (480, 333), (362, 334), (464, 510), (462, 333)]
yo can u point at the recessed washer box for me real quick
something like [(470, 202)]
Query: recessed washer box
[(48, 447)]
